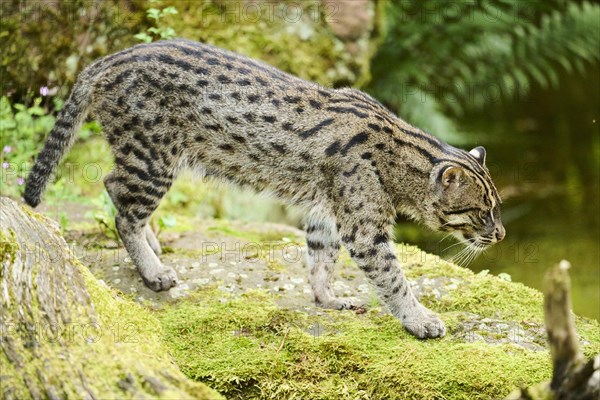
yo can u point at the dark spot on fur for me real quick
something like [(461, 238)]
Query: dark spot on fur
[(356, 140), (279, 147), (227, 147), (261, 81), (333, 148), (238, 138), (213, 127), (223, 79), (292, 99), (316, 128), (315, 104), (374, 127), (380, 239)]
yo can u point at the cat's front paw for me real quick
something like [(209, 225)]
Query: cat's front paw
[(423, 323), (161, 280)]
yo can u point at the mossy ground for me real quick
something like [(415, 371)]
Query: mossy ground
[(247, 347)]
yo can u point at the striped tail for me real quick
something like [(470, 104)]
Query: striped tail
[(59, 141)]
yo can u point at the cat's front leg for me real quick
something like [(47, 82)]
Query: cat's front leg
[(370, 248)]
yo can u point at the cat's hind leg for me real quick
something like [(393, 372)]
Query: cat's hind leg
[(136, 199), (323, 244)]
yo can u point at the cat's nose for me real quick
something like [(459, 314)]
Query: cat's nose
[(500, 233)]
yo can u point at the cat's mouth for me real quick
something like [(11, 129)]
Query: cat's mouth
[(482, 240), (475, 244)]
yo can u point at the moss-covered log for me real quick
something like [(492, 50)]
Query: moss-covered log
[(66, 335)]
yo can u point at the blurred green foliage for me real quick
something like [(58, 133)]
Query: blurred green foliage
[(22, 131), (444, 57), (48, 43), (301, 43), (22, 128)]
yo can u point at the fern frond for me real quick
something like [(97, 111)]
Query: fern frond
[(504, 45)]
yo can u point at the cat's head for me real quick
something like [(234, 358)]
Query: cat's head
[(464, 201)]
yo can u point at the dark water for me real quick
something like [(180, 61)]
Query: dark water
[(544, 154)]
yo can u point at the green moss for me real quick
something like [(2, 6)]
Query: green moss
[(247, 347), (8, 246), (301, 44)]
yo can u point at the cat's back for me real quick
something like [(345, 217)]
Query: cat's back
[(173, 64)]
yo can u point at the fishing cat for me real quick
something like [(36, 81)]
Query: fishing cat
[(339, 154)]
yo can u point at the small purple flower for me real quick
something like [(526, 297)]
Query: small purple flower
[(5, 165), (20, 181), (7, 149), (44, 90)]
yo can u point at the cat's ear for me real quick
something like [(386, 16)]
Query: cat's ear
[(479, 154), (452, 177)]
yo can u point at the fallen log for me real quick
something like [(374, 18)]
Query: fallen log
[(64, 334)]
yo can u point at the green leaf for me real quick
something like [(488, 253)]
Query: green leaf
[(36, 110), (144, 37), (168, 33), (168, 221), (153, 13), (7, 123), (58, 103), (170, 10)]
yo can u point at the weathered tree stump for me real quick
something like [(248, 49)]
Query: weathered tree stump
[(572, 376), (64, 334)]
